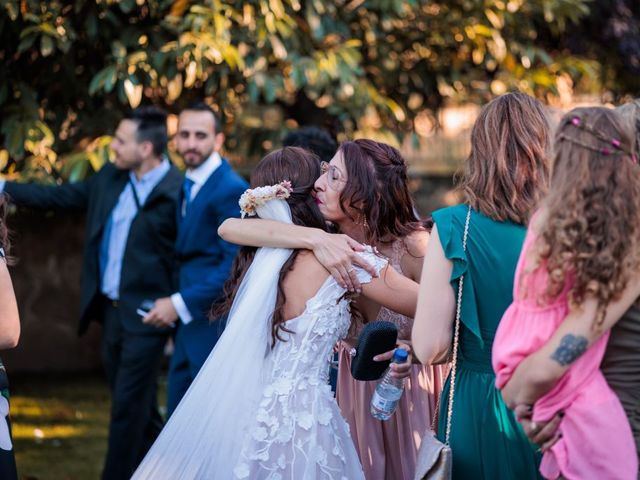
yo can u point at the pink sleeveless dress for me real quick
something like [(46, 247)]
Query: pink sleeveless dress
[(596, 438), (388, 449)]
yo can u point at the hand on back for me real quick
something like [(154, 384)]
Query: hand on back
[(339, 255)]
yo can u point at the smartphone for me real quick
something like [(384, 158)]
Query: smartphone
[(145, 307)]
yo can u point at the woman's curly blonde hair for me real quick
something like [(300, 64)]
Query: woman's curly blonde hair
[(592, 233)]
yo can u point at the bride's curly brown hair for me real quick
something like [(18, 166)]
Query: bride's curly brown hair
[(592, 229)]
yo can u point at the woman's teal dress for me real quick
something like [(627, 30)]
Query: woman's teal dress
[(486, 440)]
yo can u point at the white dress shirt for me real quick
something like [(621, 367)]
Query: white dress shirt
[(116, 231), (199, 176)]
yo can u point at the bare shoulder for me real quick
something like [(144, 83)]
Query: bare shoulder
[(307, 259), (416, 243), (416, 247), (305, 271), (302, 282)]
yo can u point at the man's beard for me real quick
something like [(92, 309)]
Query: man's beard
[(196, 160)]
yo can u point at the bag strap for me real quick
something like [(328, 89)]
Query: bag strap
[(135, 195), (456, 335), (139, 209)]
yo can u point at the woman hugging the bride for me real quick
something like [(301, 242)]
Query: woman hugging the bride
[(261, 407)]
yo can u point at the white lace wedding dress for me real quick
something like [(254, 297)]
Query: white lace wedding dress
[(298, 431), (291, 430)]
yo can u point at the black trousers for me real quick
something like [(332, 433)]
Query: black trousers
[(132, 363)]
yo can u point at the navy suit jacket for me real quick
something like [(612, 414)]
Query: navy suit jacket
[(204, 258)]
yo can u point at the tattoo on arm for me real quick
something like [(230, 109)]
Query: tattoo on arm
[(571, 347)]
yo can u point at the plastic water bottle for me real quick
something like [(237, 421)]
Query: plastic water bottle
[(389, 390)]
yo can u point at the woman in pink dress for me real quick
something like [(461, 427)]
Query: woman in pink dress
[(388, 449), (579, 271)]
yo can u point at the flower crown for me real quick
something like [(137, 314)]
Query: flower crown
[(253, 198)]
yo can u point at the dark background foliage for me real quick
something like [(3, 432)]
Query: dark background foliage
[(70, 68)]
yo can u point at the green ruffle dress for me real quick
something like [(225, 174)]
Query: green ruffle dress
[(486, 440)]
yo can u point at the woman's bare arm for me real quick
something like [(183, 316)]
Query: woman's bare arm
[(256, 232), (433, 323), (336, 252), (540, 371), (394, 291), (9, 319)]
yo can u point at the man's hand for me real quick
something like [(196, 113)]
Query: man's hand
[(163, 314), (338, 254), (543, 434)]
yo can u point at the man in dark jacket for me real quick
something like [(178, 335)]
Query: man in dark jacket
[(128, 258)]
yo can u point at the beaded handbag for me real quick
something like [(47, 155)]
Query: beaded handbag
[(376, 337)]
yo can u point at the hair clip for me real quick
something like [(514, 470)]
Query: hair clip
[(575, 121), (616, 143), (634, 159), (605, 151)]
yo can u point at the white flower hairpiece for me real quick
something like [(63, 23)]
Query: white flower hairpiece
[(256, 197)]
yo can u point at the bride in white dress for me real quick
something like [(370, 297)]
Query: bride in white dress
[(261, 407)]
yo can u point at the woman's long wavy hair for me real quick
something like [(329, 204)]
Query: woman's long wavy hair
[(377, 190), (302, 169), (591, 236), (507, 171)]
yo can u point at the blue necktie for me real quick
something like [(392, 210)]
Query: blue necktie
[(186, 189)]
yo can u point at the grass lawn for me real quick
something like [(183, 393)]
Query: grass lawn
[(60, 425)]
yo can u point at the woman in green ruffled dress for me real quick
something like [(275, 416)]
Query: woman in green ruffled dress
[(506, 174)]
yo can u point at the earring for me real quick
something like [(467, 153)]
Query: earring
[(363, 221)]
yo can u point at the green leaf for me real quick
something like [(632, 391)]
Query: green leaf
[(46, 45), (483, 30), (111, 77), (254, 92), (15, 137), (11, 6), (91, 26), (269, 89), (543, 78), (127, 5), (105, 78), (48, 29), (297, 75), (118, 50), (26, 43), (78, 171), (43, 133), (96, 161), (4, 159)]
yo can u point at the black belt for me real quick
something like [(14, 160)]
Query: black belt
[(110, 302)]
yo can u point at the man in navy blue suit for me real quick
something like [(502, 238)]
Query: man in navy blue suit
[(209, 196)]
